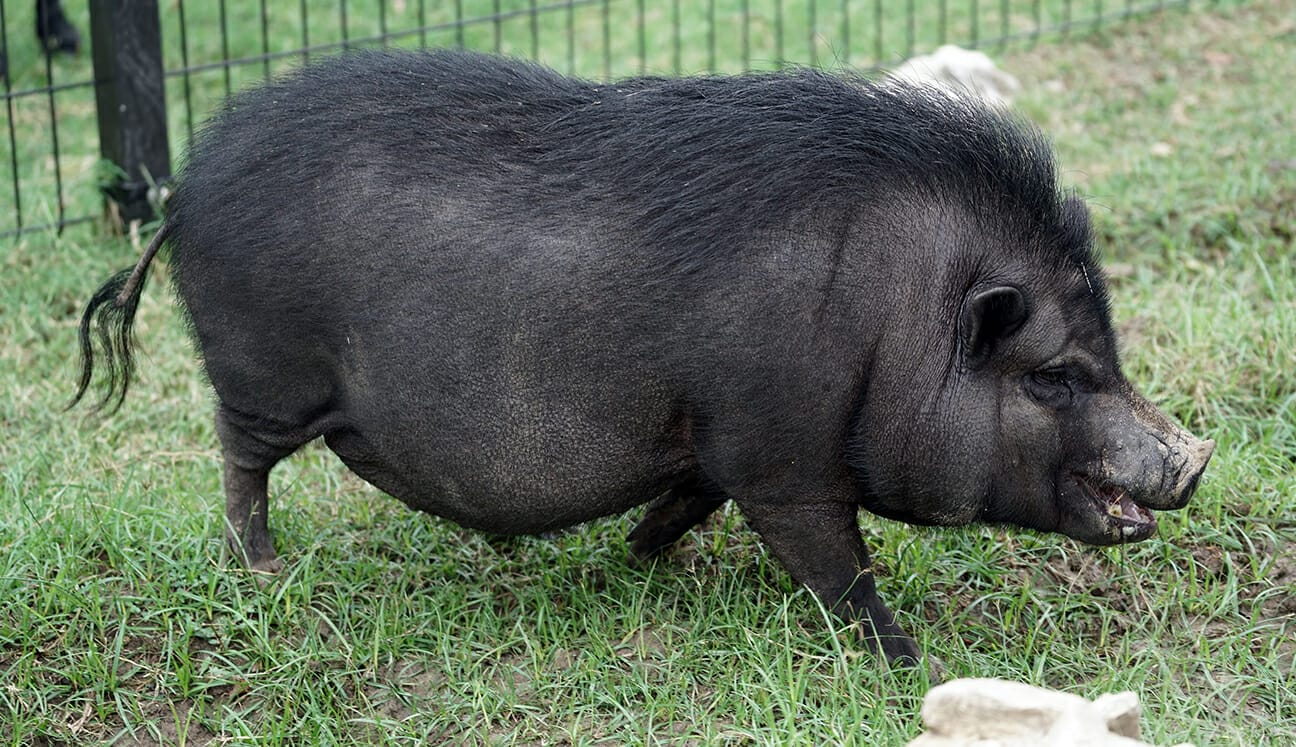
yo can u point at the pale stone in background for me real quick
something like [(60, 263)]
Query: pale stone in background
[(960, 72)]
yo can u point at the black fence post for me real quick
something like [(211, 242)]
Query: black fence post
[(126, 39)]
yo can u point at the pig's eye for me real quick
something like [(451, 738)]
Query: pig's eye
[(1054, 387)]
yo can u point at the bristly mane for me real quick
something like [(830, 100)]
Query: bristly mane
[(746, 151), (691, 162)]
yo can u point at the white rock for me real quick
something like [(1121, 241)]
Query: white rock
[(960, 72), (992, 709), (997, 713), (1121, 712)]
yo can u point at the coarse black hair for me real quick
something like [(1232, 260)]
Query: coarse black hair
[(688, 161)]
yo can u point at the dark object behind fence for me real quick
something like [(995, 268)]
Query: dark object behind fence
[(156, 72), (130, 100)]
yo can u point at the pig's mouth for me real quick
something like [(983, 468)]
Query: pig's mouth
[(1114, 516)]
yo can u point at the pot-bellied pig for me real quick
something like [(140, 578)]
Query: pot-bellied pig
[(520, 301)]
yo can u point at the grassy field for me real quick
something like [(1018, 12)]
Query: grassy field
[(120, 620)]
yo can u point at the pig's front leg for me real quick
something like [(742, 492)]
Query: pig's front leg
[(821, 546)]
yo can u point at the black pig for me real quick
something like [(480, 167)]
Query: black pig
[(521, 301)]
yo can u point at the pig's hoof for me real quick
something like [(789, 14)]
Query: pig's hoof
[(918, 665), (256, 556), (269, 566), (937, 672), (902, 652), (660, 528), (640, 556), (646, 544)]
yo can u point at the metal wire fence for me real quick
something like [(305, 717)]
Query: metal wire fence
[(54, 138)]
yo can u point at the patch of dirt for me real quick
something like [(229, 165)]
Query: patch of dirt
[(1095, 579), (1216, 228), (645, 649), (170, 723), (1281, 575), (403, 689)]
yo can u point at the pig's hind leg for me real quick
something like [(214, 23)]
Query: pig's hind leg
[(251, 449), (670, 516)]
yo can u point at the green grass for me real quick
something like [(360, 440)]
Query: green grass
[(120, 620)]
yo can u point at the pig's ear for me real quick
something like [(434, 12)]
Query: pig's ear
[(989, 315)]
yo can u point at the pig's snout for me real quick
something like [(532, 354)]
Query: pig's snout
[(1155, 460), (1168, 474), (1196, 453)]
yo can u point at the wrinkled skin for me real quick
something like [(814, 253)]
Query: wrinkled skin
[(520, 301), (1065, 442)]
